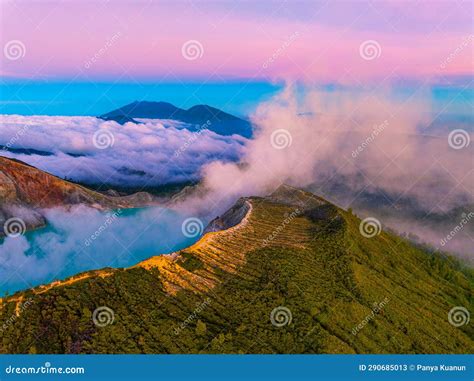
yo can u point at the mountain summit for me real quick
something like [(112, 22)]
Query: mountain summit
[(215, 120), (286, 273)]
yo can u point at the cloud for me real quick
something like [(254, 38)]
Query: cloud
[(373, 141), (95, 151), (376, 152), (348, 145), (82, 239)]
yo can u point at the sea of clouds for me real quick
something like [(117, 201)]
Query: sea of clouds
[(91, 150), (341, 145)]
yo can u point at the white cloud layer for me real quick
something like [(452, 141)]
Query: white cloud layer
[(151, 153)]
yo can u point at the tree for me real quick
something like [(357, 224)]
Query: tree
[(201, 328)]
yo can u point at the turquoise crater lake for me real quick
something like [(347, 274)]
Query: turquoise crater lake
[(84, 239)]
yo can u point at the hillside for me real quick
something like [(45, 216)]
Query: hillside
[(24, 190), (212, 118), (427, 224), (290, 273)]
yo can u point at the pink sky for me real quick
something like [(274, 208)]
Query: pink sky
[(314, 41)]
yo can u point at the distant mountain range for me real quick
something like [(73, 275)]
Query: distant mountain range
[(198, 116)]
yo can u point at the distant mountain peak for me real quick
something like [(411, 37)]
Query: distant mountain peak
[(120, 119), (217, 120)]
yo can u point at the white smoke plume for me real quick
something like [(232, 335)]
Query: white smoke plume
[(345, 145)]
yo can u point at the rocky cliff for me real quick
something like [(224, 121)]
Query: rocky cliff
[(25, 190)]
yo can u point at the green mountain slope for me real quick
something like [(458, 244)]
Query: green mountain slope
[(294, 276)]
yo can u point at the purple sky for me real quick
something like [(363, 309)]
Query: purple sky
[(316, 41)]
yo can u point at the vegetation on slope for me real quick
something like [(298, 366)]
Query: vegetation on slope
[(296, 277)]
